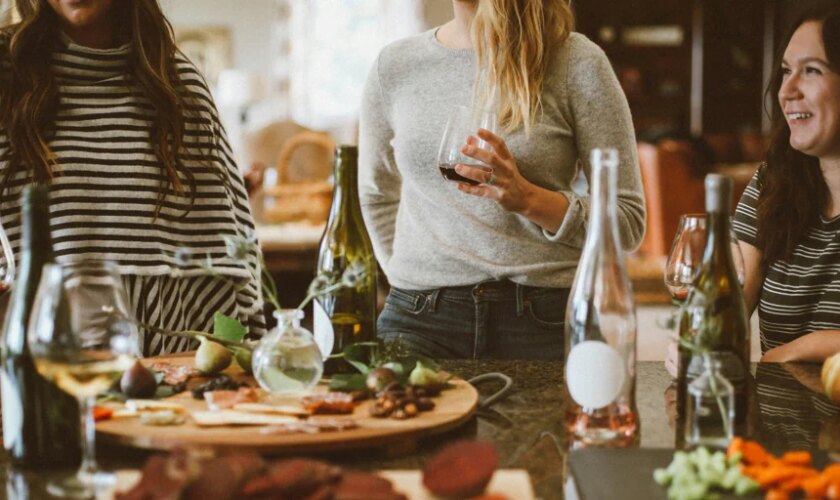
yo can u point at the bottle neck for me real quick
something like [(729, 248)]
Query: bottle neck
[(288, 318), (345, 202), (603, 227), (718, 249), (36, 241), (718, 197)]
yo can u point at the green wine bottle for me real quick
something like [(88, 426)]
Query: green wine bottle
[(348, 314), (715, 315), (40, 428)]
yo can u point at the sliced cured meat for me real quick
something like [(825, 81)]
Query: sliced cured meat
[(174, 374)]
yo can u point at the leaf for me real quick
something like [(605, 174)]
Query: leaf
[(228, 328), (348, 382), (362, 355)]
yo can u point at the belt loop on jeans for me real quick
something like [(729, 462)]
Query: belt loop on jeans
[(431, 300), (520, 300)]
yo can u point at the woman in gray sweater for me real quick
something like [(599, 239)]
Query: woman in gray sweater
[(485, 270)]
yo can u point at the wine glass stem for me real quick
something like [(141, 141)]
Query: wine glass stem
[(88, 468)]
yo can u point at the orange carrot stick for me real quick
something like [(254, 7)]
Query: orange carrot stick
[(797, 458), (776, 495), (754, 454), (100, 413), (815, 486), (734, 447)]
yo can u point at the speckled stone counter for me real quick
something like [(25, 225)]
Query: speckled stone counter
[(527, 425)]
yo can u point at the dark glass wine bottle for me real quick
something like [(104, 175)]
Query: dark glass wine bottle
[(715, 314), (348, 314), (40, 428)]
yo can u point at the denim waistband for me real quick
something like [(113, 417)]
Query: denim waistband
[(491, 290)]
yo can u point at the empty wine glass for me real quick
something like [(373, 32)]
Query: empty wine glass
[(82, 338), (7, 266), (463, 122)]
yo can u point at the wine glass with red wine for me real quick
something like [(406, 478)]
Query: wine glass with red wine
[(463, 122), (7, 266)]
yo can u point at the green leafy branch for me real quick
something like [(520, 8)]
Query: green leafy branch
[(229, 331), (707, 327)]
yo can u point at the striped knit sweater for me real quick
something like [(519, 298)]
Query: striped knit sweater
[(104, 196), (802, 294)]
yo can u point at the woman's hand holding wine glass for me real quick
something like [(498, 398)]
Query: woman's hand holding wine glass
[(479, 160), (82, 339)]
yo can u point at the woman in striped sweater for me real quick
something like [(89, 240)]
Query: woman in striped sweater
[(96, 100), (788, 220)]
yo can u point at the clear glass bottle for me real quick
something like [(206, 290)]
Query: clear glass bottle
[(287, 359), (710, 412), (601, 326)]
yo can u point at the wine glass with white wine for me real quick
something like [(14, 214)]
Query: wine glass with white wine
[(82, 338)]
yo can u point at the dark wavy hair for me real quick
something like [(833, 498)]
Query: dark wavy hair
[(793, 190), (29, 93)]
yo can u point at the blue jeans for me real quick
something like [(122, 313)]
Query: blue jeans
[(493, 319)]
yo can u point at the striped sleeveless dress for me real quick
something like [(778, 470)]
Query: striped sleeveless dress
[(105, 192), (800, 295)]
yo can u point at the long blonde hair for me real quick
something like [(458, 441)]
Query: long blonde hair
[(514, 41)]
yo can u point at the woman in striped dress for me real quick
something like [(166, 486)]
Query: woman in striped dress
[(788, 220), (96, 100)]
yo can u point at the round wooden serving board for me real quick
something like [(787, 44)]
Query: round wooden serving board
[(453, 407)]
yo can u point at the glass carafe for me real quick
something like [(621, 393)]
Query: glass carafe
[(710, 412), (601, 326), (287, 359)]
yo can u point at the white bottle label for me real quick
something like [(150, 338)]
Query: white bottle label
[(324, 333), (595, 374), (12, 429)]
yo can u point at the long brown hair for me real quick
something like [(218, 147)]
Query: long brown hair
[(514, 41), (29, 93), (793, 190)]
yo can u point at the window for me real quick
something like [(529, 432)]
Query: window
[(333, 44)]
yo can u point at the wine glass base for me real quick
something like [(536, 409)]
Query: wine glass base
[(82, 485)]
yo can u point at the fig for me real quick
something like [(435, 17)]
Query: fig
[(211, 357), (242, 357), (379, 378), (396, 367), (424, 377), (138, 382)]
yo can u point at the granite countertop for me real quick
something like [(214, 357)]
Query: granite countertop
[(527, 425)]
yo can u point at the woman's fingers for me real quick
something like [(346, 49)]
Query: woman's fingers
[(499, 144), (478, 174), (482, 155)]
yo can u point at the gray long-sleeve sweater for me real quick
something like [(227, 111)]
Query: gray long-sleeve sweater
[(426, 233)]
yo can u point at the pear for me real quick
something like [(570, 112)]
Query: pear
[(211, 357), (138, 382)]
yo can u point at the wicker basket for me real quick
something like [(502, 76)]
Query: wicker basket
[(298, 201)]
